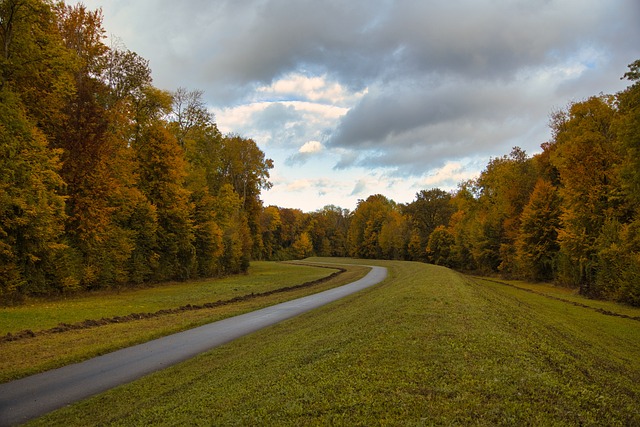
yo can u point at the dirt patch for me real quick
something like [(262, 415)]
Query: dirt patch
[(94, 323)]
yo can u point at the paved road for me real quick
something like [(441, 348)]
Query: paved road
[(39, 394)]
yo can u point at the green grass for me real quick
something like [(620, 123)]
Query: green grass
[(40, 314), (32, 355), (571, 295), (426, 347)]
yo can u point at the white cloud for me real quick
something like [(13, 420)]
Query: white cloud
[(311, 147), (448, 176), (280, 123), (317, 89)]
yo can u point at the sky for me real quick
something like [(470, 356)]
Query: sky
[(361, 97)]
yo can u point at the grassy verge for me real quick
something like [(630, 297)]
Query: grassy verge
[(571, 296), (42, 314), (47, 351), (426, 347)]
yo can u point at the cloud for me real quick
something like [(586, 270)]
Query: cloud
[(448, 176), (397, 90), (317, 89), (311, 147), (362, 187), (280, 123), (308, 150)]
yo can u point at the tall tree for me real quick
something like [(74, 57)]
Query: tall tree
[(430, 209), (31, 206), (440, 247), (537, 242), (162, 173), (245, 167), (34, 61), (394, 236), (585, 156), (504, 188), (366, 224), (270, 224), (330, 227)]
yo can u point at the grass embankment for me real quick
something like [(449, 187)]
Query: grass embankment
[(426, 347), (49, 350)]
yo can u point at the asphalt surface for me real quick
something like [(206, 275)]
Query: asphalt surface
[(34, 396)]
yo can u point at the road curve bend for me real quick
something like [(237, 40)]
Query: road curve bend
[(34, 396)]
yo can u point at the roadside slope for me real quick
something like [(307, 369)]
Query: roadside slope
[(427, 346), (36, 395)]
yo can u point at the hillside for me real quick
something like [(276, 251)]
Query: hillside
[(427, 346)]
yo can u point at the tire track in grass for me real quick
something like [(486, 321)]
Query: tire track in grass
[(575, 303)]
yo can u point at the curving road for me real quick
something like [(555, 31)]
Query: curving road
[(33, 396)]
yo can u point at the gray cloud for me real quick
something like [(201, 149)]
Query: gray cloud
[(445, 79)]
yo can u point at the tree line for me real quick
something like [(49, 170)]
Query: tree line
[(570, 214), (106, 180)]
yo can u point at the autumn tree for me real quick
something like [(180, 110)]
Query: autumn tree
[(461, 225), (35, 78), (245, 168), (440, 248), (366, 225), (31, 207), (236, 233), (107, 180), (162, 173), (430, 209), (270, 225), (537, 243), (503, 190), (618, 245), (330, 226), (34, 62), (585, 156), (394, 236), (302, 247)]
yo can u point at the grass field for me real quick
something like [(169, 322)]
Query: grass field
[(51, 350), (41, 313), (426, 347)]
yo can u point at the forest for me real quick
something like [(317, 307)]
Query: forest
[(107, 181)]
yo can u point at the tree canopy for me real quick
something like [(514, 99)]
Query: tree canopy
[(106, 180)]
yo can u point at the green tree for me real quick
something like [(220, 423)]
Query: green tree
[(440, 247), (330, 226), (430, 209)]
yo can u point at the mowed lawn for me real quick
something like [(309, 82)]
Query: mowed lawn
[(263, 276), (51, 350), (426, 347)]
